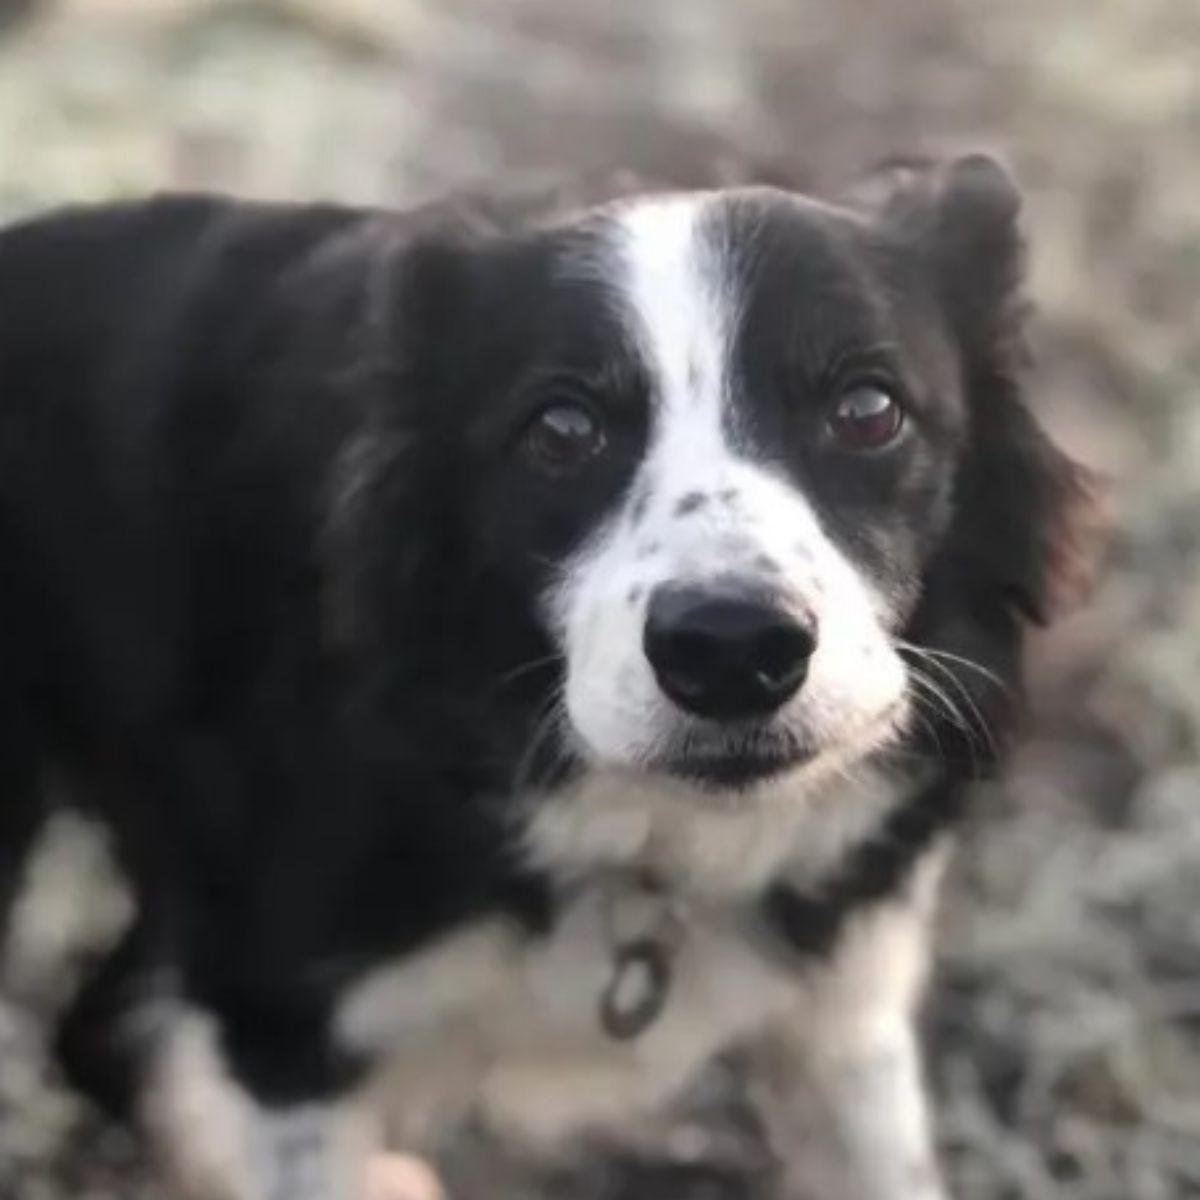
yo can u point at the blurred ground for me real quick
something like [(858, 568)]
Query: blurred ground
[(1065, 1030)]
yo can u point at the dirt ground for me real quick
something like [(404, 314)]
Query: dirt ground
[(1064, 1031)]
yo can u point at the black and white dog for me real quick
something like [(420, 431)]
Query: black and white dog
[(534, 653)]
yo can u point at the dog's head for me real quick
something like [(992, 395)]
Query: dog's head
[(707, 465)]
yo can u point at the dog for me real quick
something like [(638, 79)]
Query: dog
[(518, 654)]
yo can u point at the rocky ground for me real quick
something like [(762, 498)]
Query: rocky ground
[(1065, 1030)]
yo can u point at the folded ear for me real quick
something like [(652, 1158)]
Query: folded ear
[(960, 216), (1029, 520), (1031, 523), (380, 586)]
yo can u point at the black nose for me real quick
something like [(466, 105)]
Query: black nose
[(723, 652)]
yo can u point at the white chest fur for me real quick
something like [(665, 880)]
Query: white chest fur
[(488, 1018), (803, 824), (492, 1020), (513, 1023)]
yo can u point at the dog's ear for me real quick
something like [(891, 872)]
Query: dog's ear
[(1029, 523), (960, 217), (384, 530), (1032, 523)]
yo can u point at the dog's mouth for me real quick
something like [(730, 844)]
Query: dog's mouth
[(738, 760), (734, 771), (735, 762)]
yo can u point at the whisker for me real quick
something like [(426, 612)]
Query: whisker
[(965, 693), (558, 570), (545, 725), (524, 668), (928, 652), (929, 727), (944, 703), (938, 661)]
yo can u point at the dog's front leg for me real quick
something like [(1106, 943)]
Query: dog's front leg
[(217, 1140), (851, 1122), (841, 1084)]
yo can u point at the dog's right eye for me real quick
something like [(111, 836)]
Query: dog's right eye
[(562, 437), (867, 417)]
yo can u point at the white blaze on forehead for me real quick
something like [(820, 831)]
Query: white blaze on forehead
[(682, 311)]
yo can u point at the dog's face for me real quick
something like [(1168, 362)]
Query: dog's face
[(726, 614), (713, 446)]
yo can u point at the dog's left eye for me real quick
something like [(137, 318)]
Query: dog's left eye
[(562, 437), (867, 417)]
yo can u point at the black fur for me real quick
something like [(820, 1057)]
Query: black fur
[(268, 574)]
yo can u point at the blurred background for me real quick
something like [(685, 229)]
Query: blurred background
[(1064, 1030)]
